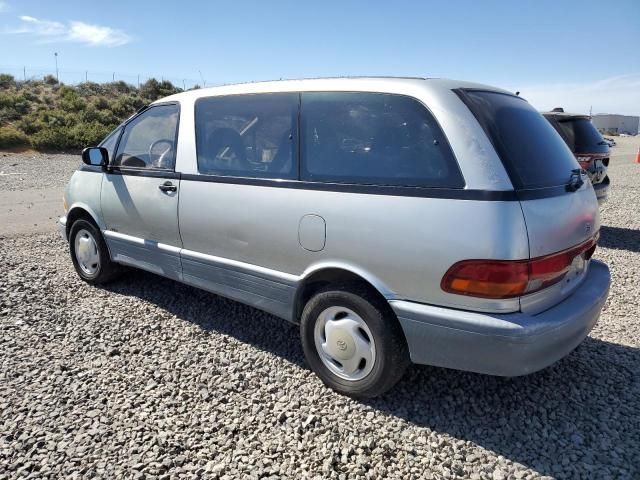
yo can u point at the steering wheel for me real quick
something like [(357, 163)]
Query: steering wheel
[(162, 160)]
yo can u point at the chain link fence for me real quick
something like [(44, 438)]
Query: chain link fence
[(73, 77)]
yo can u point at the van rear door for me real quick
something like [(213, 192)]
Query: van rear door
[(558, 202)]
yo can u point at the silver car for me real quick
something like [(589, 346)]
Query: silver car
[(396, 220)]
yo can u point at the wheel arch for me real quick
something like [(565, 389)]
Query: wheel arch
[(81, 210), (319, 276)]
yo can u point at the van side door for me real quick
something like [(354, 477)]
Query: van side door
[(140, 191), (239, 228)]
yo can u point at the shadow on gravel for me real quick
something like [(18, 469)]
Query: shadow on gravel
[(214, 313), (620, 238), (583, 410)]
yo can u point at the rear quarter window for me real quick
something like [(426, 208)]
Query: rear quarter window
[(374, 139), (533, 153)]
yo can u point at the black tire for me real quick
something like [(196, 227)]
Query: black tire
[(392, 357), (106, 270)]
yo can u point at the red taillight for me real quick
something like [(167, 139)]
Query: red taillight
[(488, 279), (512, 278), (584, 161)]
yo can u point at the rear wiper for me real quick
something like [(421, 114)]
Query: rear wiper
[(575, 181)]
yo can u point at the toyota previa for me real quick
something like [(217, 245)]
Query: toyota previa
[(395, 220)]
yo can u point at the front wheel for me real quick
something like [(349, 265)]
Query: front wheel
[(353, 342), (89, 253)]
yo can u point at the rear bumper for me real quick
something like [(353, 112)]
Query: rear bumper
[(61, 224), (602, 189), (503, 344)]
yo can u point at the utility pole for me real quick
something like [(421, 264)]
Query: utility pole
[(24, 72), (55, 54), (113, 77), (138, 81), (86, 76), (184, 87)]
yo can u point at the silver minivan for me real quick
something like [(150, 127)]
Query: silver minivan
[(396, 220)]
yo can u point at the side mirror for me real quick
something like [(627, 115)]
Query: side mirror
[(96, 156)]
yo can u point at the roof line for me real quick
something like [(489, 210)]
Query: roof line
[(355, 77)]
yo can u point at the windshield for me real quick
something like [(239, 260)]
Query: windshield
[(582, 136), (533, 153)]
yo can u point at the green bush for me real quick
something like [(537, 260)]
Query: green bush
[(118, 87), (12, 106), (53, 117), (12, 137), (53, 138), (87, 134), (71, 101), (101, 103), (6, 80), (152, 89), (50, 80), (90, 89)]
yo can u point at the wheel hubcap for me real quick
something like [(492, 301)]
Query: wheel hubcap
[(345, 343), (86, 250)]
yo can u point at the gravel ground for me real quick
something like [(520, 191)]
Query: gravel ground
[(150, 378), (26, 170)]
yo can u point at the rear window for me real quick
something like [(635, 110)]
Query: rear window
[(581, 135), (532, 152), (374, 139)]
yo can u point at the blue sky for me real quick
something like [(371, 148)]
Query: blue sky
[(578, 54)]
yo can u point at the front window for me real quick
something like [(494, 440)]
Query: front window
[(149, 140), (110, 143)]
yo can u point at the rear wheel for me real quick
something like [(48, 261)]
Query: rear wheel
[(89, 253), (353, 342)]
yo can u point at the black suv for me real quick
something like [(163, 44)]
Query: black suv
[(586, 143)]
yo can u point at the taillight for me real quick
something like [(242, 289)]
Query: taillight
[(584, 161), (513, 278)]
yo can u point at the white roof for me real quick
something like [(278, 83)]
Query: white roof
[(367, 84)]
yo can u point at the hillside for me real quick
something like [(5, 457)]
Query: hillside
[(45, 116)]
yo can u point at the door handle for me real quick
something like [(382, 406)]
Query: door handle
[(168, 187)]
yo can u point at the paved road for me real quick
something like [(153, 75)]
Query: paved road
[(30, 211), (31, 188)]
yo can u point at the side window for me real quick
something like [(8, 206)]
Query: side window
[(375, 139), (247, 135), (110, 143), (149, 140)]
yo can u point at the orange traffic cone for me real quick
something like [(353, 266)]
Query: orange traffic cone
[(638, 156)]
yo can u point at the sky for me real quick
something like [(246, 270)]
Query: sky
[(575, 54)]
